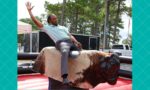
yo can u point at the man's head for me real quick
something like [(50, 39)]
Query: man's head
[(52, 19)]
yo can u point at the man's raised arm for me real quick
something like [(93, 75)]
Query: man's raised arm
[(37, 22)]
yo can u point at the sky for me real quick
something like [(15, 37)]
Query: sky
[(39, 9), (125, 18)]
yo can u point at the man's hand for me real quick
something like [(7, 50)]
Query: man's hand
[(29, 7), (79, 45), (36, 21)]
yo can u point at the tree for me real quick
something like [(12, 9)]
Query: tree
[(63, 12), (116, 21), (117, 9), (87, 17)]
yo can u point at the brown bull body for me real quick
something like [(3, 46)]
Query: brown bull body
[(85, 68)]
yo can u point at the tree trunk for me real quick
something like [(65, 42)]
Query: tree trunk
[(105, 42), (116, 21), (63, 13), (76, 20), (96, 23)]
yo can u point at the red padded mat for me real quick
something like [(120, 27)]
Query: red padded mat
[(40, 82)]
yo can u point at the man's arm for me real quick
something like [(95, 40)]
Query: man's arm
[(73, 39), (37, 22)]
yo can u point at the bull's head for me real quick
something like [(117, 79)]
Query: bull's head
[(104, 69)]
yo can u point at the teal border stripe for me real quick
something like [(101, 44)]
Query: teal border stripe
[(141, 45), (8, 44)]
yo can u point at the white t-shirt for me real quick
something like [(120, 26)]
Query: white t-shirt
[(56, 33)]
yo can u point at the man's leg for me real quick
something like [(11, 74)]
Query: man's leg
[(74, 51), (64, 48), (64, 66)]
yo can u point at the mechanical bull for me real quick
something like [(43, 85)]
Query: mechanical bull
[(86, 71)]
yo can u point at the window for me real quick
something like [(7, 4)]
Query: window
[(117, 47), (127, 47)]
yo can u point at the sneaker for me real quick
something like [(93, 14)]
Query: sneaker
[(74, 54)]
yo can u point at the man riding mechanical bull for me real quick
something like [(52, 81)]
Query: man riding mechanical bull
[(86, 69)]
